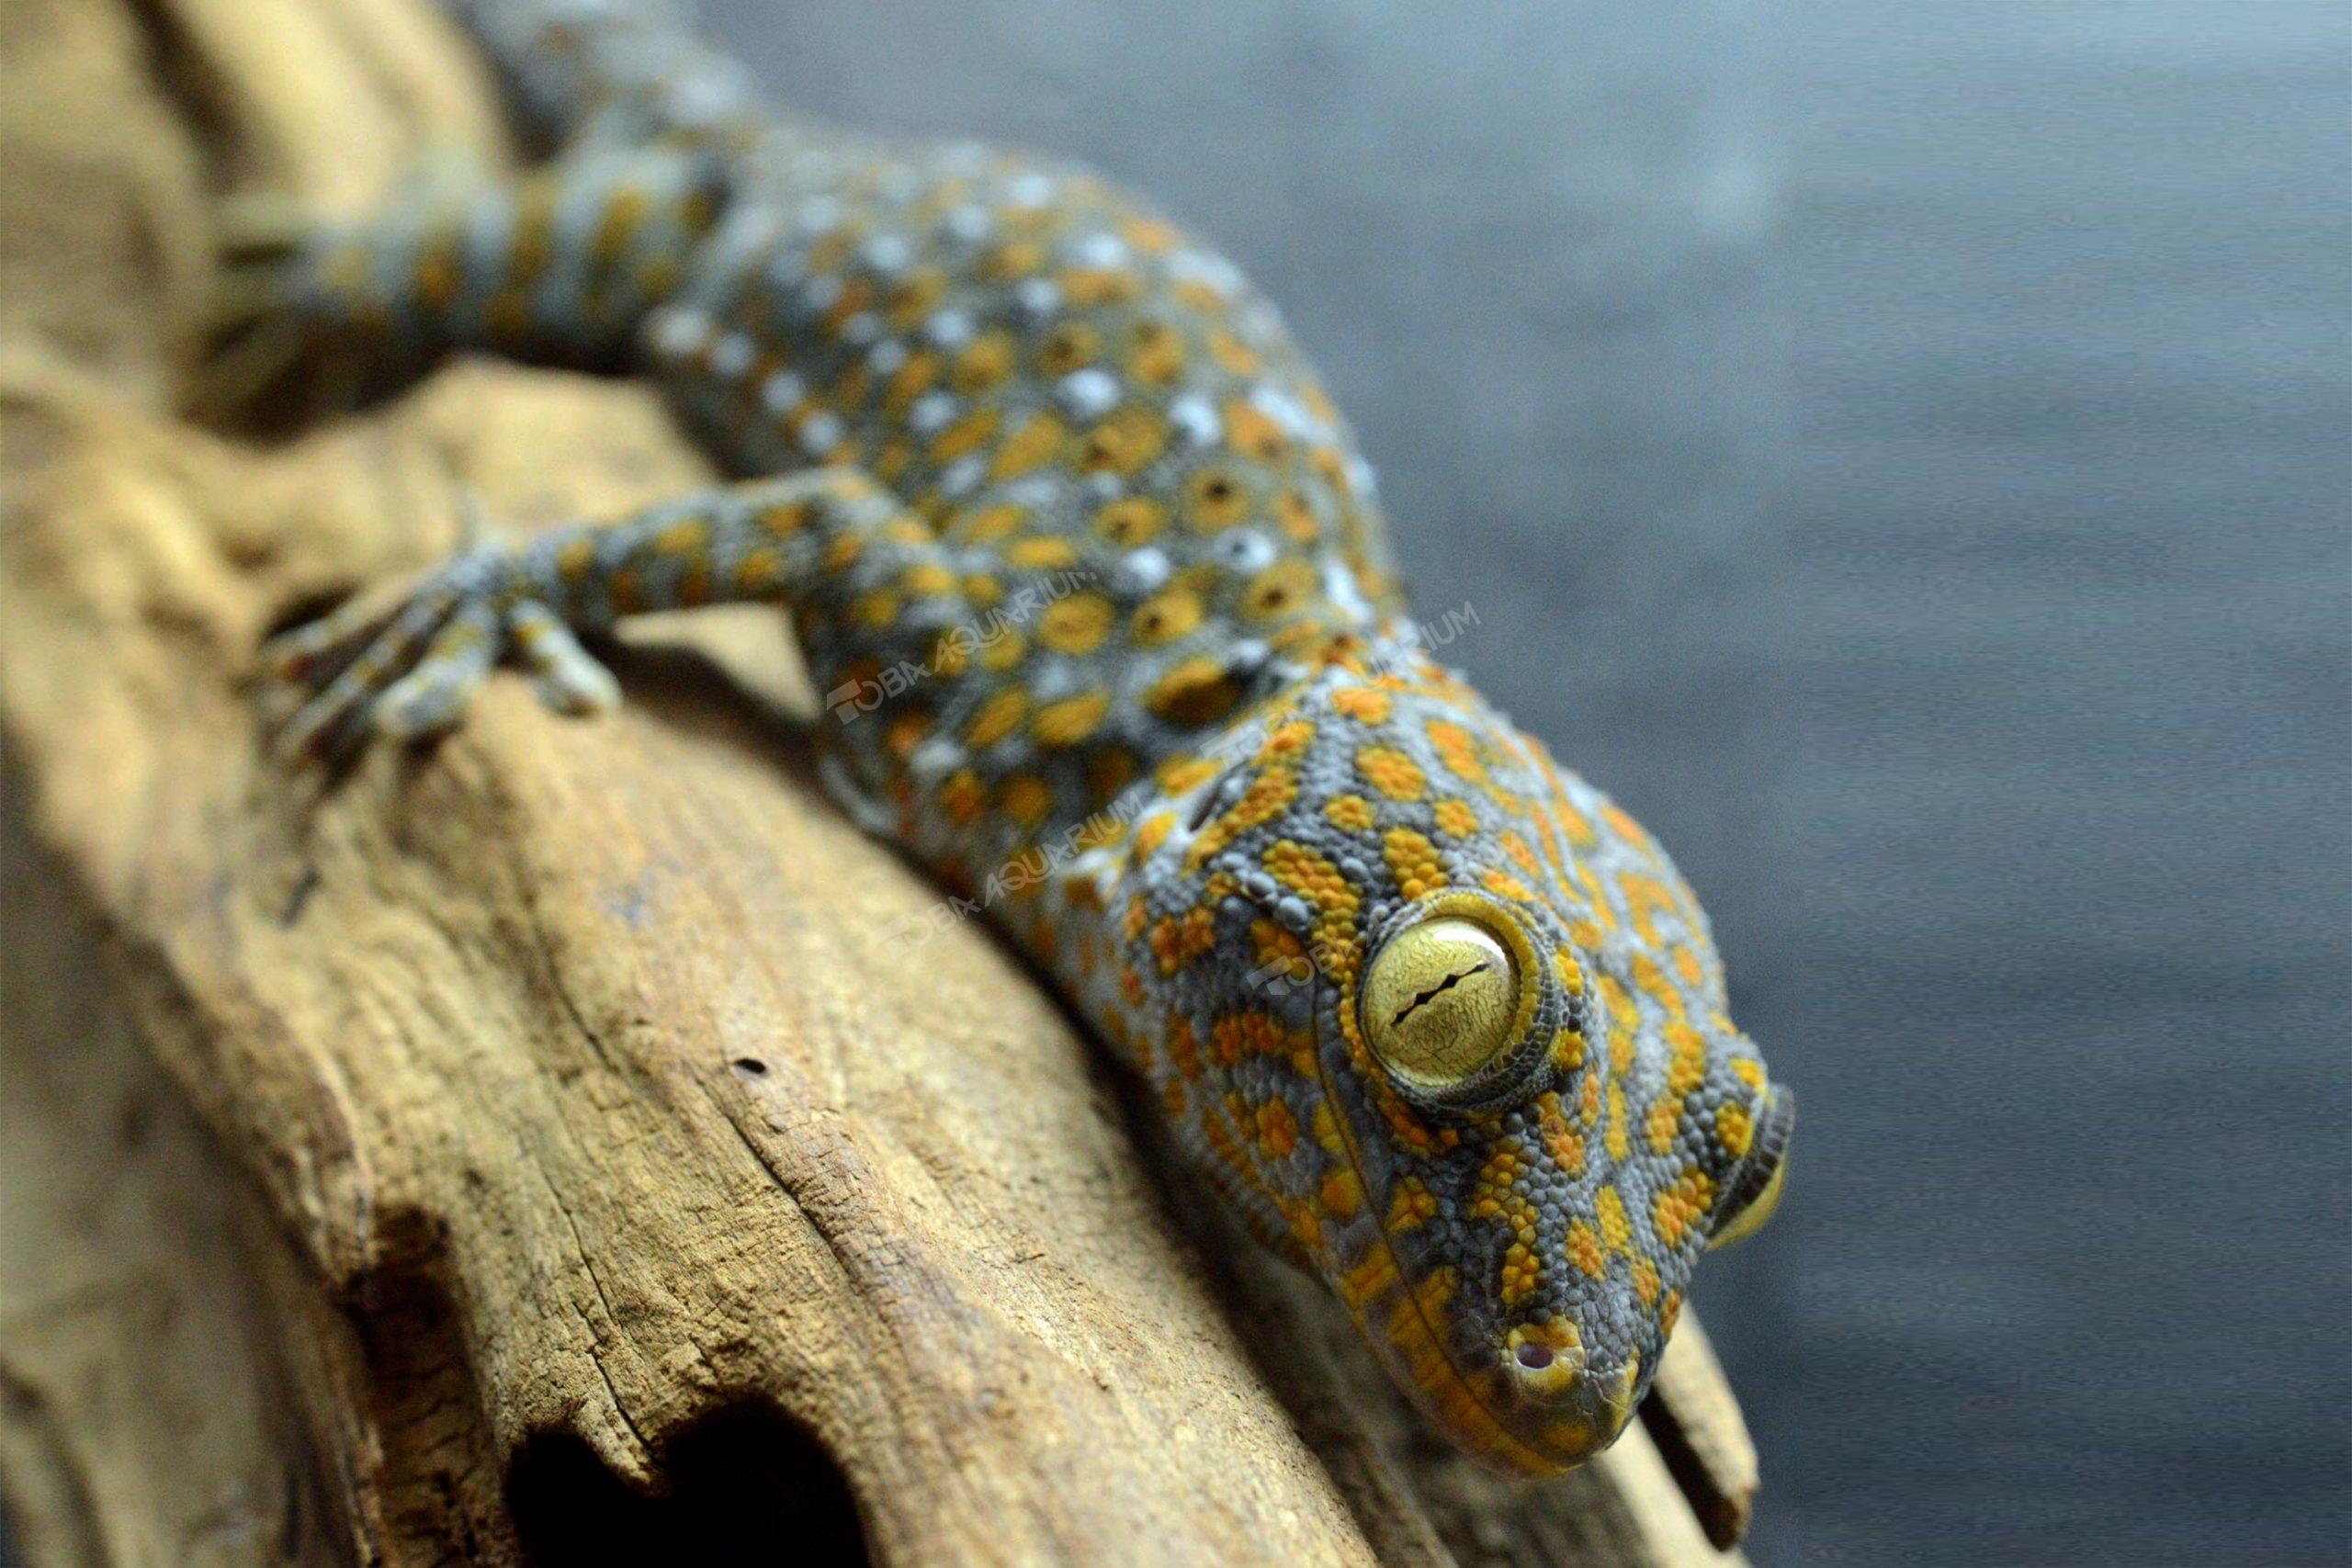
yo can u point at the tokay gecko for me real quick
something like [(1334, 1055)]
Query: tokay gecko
[(1100, 590)]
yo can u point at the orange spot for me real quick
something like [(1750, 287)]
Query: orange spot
[(1232, 353), (1156, 354), (1391, 772), (1215, 499), (991, 523), (1249, 431), (1167, 618), (927, 579), (1027, 799), (996, 717), (1032, 446), (1292, 511), (1363, 703), (1277, 591), (1413, 860), (1004, 651), (1586, 1251), (965, 436), (962, 797), (1677, 1210), (986, 360), (1076, 626), (1044, 552), (1071, 720), (1567, 1050), (1130, 521), (1176, 942), (1734, 1131), (1616, 1229), (1088, 287), (1562, 1141), (1122, 443), (1067, 347)]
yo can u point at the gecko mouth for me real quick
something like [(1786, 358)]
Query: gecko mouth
[(1524, 1407)]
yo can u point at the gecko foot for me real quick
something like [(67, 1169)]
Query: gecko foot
[(405, 667)]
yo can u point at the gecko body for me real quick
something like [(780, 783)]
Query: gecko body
[(1099, 589)]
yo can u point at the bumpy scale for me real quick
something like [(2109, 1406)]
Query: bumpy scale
[(1093, 570)]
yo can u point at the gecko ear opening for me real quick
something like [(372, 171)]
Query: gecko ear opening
[(1755, 1191)]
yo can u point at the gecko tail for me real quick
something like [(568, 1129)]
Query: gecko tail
[(632, 69)]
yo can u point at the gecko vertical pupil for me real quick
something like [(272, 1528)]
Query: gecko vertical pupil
[(1440, 1001)]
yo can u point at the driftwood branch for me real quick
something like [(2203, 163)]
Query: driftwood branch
[(525, 1150)]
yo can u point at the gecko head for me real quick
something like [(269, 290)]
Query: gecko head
[(1483, 1021)]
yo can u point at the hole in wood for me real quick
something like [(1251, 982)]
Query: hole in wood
[(746, 1485)]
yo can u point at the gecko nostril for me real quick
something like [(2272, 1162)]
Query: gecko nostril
[(1534, 1357)]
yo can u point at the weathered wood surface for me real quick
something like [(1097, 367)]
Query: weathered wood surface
[(531, 1149)]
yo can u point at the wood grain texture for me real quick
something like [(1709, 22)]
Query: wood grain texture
[(525, 1150)]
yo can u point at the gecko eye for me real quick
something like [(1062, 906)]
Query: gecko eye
[(1754, 1189), (1441, 1002)]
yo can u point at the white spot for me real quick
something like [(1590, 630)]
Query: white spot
[(1143, 571), (949, 328), (1245, 550), (886, 253), (1036, 492), (1039, 296), (698, 98), (820, 433), (1030, 189), (969, 224), (1203, 267), (1361, 477), (1195, 419), (756, 228), (963, 157), (1101, 488), (733, 355), (898, 183), (817, 215), (1259, 323), (1098, 865), (1099, 250), (821, 292), (1051, 679), (782, 392), (936, 758), (678, 332), (864, 327), (1340, 587), (931, 412), (963, 476), (887, 356), (1287, 412), (1088, 394)]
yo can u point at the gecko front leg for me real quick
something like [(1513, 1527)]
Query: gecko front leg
[(406, 669)]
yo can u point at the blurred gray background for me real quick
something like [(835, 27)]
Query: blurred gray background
[(1900, 449)]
